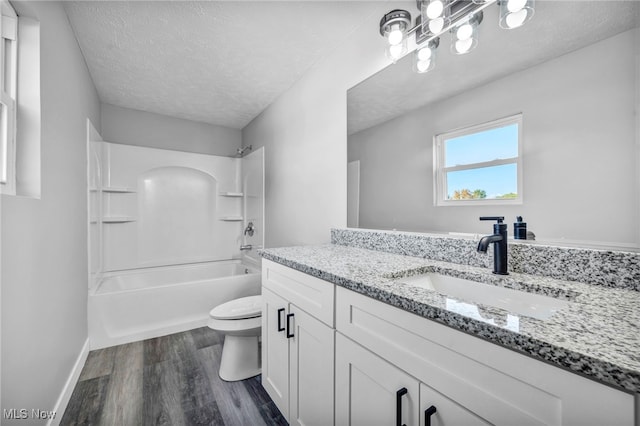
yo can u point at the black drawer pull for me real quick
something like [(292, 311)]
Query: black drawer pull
[(402, 392), (427, 415), (280, 311), (289, 328)]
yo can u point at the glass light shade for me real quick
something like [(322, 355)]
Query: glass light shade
[(396, 51), (434, 15), (424, 59), (464, 37), (394, 26), (514, 13)]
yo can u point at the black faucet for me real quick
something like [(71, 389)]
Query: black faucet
[(499, 241)]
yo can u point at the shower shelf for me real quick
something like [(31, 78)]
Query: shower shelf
[(121, 189), (118, 219), (232, 218), (114, 189), (231, 194)]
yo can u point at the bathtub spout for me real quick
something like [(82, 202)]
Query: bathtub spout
[(246, 247)]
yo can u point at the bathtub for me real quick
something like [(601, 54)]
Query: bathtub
[(139, 304)]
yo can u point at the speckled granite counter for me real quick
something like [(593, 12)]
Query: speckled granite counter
[(597, 335)]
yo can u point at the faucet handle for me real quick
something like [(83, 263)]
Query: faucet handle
[(498, 218)]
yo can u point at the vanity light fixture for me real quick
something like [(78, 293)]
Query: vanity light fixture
[(394, 27), (460, 18)]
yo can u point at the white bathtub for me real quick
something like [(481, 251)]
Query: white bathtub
[(139, 304)]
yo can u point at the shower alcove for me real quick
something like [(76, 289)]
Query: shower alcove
[(165, 232)]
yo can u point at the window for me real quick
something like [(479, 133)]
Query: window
[(8, 84), (479, 165)]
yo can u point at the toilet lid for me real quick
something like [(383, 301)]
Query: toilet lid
[(245, 307)]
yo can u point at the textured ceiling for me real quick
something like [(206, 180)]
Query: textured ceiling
[(558, 27), (219, 62)]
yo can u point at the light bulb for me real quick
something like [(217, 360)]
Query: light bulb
[(424, 54), (464, 31), (515, 5), (514, 20), (434, 9), (395, 37), (436, 25), (396, 51), (463, 46), (423, 66)]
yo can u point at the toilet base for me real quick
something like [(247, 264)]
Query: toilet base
[(240, 358)]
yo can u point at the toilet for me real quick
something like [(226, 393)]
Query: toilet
[(240, 321)]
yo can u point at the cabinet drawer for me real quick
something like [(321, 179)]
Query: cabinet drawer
[(311, 294), (497, 384)]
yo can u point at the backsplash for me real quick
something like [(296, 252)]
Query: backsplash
[(608, 268)]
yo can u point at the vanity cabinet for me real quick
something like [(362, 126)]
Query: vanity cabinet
[(381, 349), (298, 346), (326, 347)]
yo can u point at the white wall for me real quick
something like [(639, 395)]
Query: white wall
[(134, 127), (168, 187), (44, 241), (579, 155), (305, 135)]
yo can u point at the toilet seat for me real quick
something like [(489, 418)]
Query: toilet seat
[(237, 309)]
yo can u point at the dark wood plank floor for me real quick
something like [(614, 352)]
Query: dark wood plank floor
[(170, 380)]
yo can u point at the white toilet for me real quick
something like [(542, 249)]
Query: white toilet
[(240, 320)]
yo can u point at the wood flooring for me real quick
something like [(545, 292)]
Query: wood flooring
[(171, 380)]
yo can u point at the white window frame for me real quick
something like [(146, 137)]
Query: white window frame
[(8, 89), (440, 171)]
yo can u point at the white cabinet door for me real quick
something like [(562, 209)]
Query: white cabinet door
[(369, 390), (311, 355), (438, 410), (275, 350)]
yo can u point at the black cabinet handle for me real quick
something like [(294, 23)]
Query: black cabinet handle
[(427, 415), (280, 311), (402, 392), (289, 329)]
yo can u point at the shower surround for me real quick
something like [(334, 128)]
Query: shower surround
[(165, 233)]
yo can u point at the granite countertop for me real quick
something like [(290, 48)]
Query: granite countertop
[(597, 335)]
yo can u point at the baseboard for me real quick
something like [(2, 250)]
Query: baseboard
[(65, 395)]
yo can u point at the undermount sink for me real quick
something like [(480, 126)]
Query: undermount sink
[(515, 301)]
